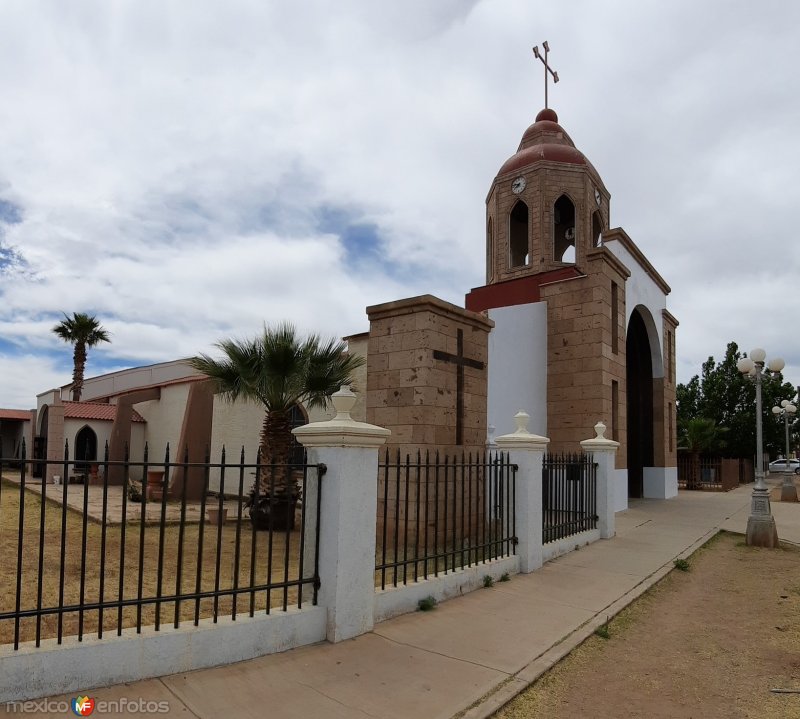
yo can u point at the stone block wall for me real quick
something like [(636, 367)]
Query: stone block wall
[(582, 363), (411, 391)]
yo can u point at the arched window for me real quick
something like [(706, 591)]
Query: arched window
[(564, 230), (85, 448), (597, 229), (518, 235)]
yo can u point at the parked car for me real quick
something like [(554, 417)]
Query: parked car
[(779, 465)]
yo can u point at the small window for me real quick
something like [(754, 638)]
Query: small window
[(518, 235), (670, 358), (614, 409), (669, 411), (614, 317), (564, 230)]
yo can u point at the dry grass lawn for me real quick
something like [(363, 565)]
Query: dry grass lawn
[(218, 547), (710, 642)]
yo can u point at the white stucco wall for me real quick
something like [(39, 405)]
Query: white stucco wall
[(102, 428), (641, 290), (164, 419), (518, 367), (233, 425)]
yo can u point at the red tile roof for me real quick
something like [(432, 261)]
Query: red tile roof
[(15, 414), (95, 410)]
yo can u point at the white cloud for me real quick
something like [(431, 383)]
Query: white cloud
[(171, 162)]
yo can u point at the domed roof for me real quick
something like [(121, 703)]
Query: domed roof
[(545, 141)]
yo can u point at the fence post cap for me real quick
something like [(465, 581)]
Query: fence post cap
[(521, 438), (599, 442), (342, 430)]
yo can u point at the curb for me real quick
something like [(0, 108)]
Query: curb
[(518, 682)]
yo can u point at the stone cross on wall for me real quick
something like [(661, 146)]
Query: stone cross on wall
[(425, 358), (460, 361)]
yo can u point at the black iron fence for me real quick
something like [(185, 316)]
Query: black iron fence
[(83, 554), (569, 495), (437, 514), (703, 472)]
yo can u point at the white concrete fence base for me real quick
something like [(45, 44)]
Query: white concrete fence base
[(348, 602)]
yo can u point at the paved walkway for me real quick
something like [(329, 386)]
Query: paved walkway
[(473, 653)]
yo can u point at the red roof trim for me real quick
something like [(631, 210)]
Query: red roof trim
[(519, 291)]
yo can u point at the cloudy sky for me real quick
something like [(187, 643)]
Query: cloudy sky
[(188, 169)]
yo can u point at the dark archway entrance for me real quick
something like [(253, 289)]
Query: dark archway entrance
[(40, 442), (639, 367), (85, 448)]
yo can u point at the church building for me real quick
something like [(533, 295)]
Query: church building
[(571, 326), (581, 327)]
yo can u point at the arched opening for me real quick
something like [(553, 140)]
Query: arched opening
[(564, 230), (489, 252), (597, 229), (639, 374), (518, 235), (85, 448), (298, 417)]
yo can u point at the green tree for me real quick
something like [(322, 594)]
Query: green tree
[(82, 331), (279, 370), (722, 394), (701, 436)]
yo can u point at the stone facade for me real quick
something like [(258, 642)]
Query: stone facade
[(607, 329), (585, 355), (412, 383)]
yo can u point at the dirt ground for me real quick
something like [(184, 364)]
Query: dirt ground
[(711, 642)]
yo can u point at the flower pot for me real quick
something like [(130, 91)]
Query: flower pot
[(217, 516), (155, 485)]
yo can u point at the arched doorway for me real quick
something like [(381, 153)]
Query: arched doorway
[(85, 448), (40, 441), (639, 371)]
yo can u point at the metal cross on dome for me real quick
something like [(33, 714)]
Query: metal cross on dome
[(547, 67)]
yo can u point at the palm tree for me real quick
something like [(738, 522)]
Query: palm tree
[(279, 370), (83, 331)]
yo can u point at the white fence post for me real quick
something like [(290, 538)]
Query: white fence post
[(527, 450), (349, 501), (603, 452)]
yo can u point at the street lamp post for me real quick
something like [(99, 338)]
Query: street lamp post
[(787, 411), (761, 530)]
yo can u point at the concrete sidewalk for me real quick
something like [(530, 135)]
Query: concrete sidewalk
[(473, 653)]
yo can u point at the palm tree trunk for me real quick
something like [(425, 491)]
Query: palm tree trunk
[(276, 443), (78, 367)]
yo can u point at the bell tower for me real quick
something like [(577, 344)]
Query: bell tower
[(581, 327), (546, 208)]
